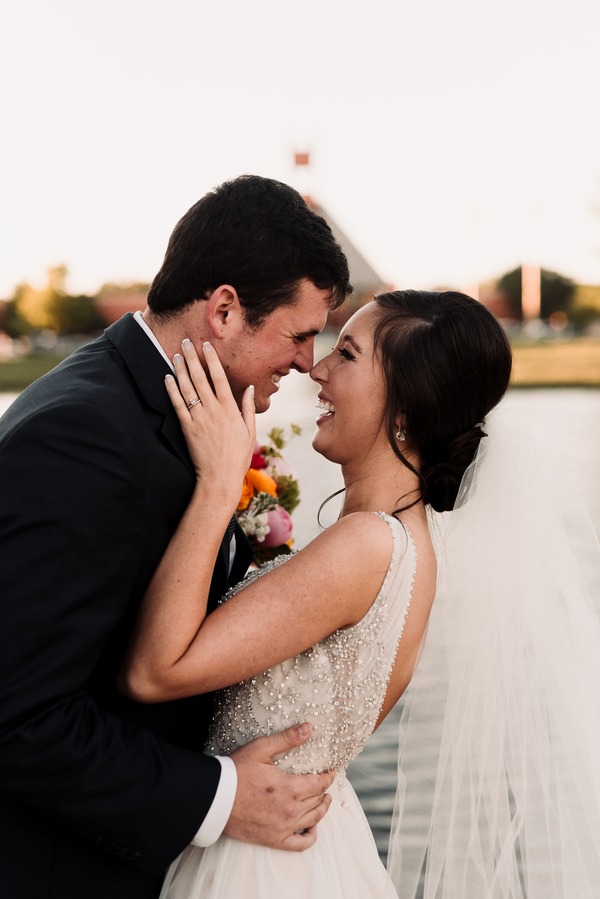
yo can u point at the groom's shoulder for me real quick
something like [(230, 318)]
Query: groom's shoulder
[(96, 375)]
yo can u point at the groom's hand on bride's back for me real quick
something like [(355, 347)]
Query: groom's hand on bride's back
[(273, 808)]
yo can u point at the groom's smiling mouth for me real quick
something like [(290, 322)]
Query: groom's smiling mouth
[(276, 378)]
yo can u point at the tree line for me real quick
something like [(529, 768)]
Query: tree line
[(53, 308)]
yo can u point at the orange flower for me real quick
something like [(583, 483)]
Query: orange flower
[(247, 494), (261, 482), (255, 482)]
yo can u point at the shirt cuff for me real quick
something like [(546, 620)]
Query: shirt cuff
[(218, 814)]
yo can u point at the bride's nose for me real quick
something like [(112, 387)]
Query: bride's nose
[(319, 371)]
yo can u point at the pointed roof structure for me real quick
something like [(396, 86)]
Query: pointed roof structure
[(363, 276)]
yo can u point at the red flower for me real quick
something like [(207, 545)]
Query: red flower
[(258, 460)]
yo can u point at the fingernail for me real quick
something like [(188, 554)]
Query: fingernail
[(304, 729), (186, 344), (206, 346), (252, 390), (177, 358), (169, 378)]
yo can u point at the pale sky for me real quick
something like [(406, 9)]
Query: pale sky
[(450, 139)]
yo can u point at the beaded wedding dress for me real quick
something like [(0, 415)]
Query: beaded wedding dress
[(339, 685)]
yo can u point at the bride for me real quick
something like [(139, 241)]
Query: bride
[(331, 634)]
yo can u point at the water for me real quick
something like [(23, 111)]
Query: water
[(568, 419)]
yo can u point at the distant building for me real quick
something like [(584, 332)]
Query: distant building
[(114, 301), (363, 277), (494, 299)]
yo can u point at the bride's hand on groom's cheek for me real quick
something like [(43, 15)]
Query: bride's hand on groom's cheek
[(273, 808), (220, 435)]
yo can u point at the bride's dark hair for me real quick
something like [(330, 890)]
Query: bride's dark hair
[(447, 362)]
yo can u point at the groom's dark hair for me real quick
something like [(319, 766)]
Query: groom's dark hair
[(259, 236)]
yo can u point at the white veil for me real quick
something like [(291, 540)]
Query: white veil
[(499, 757)]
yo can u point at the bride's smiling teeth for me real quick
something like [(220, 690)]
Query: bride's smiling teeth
[(326, 406)]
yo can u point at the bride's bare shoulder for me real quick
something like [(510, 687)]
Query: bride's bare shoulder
[(359, 539)]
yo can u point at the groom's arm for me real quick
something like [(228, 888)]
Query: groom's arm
[(72, 501), (218, 814), (73, 507)]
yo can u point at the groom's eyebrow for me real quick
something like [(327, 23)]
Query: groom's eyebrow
[(304, 335)]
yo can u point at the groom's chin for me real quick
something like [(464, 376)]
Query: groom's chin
[(261, 403)]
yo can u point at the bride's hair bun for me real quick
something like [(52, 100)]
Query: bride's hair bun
[(442, 476), (447, 362)]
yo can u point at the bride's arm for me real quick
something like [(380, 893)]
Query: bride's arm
[(328, 585), (175, 650), (221, 441)]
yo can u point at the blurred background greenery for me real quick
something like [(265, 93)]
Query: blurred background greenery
[(560, 346)]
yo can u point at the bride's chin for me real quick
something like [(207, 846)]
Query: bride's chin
[(321, 447), (315, 443)]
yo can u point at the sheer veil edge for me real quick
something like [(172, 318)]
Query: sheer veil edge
[(499, 742)]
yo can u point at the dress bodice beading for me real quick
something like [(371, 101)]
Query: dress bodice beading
[(338, 685)]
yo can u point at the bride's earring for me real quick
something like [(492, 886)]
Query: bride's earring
[(401, 433)]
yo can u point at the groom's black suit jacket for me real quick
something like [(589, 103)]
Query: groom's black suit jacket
[(97, 794)]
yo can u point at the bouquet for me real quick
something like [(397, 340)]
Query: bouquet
[(270, 494)]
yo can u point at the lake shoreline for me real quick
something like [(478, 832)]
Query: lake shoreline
[(559, 363)]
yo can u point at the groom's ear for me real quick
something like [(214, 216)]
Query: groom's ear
[(224, 312)]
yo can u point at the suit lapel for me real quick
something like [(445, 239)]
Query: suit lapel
[(243, 556), (148, 369)]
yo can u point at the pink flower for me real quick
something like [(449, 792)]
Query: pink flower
[(278, 467), (280, 527)]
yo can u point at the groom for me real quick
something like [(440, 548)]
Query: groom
[(98, 795)]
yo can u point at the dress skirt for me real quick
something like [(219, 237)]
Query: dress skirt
[(343, 863)]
